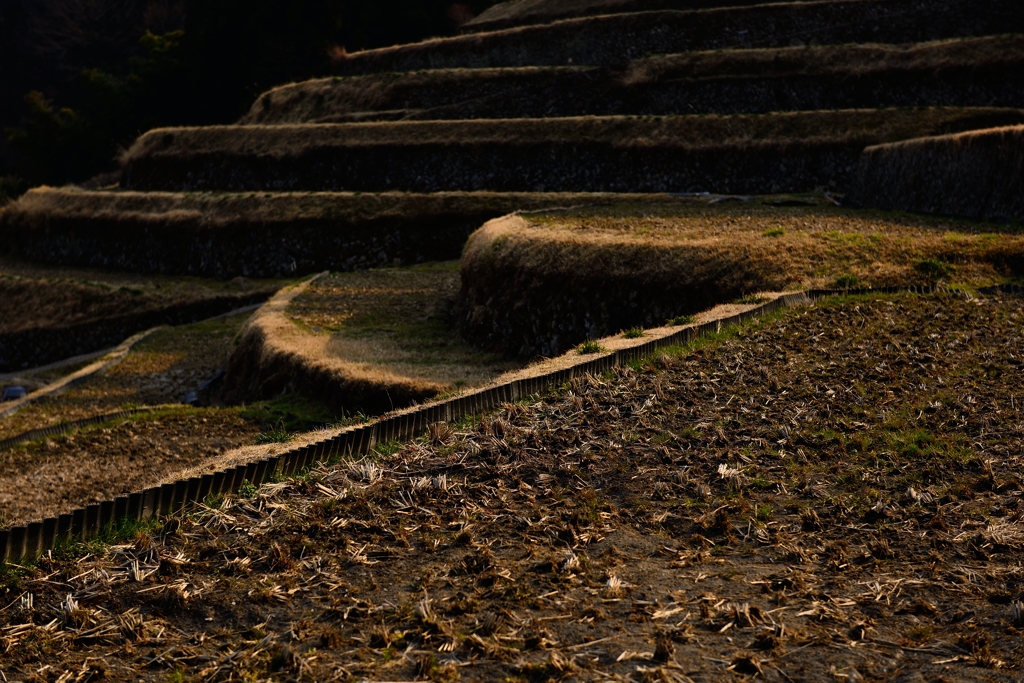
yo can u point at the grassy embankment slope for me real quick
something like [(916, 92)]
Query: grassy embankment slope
[(543, 283), (361, 342)]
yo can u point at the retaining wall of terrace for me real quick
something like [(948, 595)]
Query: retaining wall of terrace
[(616, 40), (985, 71), (42, 345), (732, 154), (254, 235), (979, 174)]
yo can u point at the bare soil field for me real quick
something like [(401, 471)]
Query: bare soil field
[(542, 283), (51, 476), (49, 313), (833, 493)]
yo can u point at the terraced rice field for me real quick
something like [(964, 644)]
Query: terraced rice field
[(830, 493)]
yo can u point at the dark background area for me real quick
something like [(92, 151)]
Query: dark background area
[(80, 79)]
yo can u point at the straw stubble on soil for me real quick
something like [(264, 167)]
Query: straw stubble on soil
[(56, 475), (833, 491)]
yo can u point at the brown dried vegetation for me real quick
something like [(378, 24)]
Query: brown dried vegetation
[(832, 493)]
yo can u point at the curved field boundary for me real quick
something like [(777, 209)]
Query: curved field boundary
[(275, 356), (977, 174), (107, 360), (65, 427), (31, 541)]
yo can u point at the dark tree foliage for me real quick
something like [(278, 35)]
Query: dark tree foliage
[(80, 79)]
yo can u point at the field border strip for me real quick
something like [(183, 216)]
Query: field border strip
[(31, 541), (65, 427)]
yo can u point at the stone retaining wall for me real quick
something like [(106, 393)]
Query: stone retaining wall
[(979, 174)]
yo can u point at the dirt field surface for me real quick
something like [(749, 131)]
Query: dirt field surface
[(53, 476), (39, 296), (398, 319), (829, 494), (159, 370)]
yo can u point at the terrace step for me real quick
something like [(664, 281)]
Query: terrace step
[(530, 12), (256, 235), (986, 71), (614, 41), (756, 153)]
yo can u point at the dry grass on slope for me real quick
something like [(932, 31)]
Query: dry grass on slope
[(529, 12), (681, 132), (986, 68), (403, 94), (978, 174), (369, 342), (541, 284), (262, 234), (1005, 52), (748, 154), (220, 209), (614, 40)]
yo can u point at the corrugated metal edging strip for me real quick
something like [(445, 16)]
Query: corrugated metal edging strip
[(39, 537)]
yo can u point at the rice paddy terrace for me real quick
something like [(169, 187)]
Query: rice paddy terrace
[(828, 494)]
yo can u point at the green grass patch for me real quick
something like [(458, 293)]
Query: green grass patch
[(680, 320), (588, 347), (288, 415), (247, 490), (121, 531), (633, 333), (774, 232), (934, 269), (276, 435), (845, 282)]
